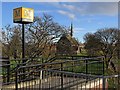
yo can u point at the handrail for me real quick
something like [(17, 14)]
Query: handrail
[(52, 63)]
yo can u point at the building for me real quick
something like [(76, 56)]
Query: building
[(67, 44)]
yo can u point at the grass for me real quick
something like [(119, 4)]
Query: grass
[(83, 53), (92, 68), (113, 83), (80, 67)]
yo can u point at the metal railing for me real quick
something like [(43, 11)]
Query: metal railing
[(72, 73), (55, 79)]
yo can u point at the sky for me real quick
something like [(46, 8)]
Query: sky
[(85, 16)]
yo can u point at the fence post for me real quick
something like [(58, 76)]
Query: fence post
[(16, 80), (118, 78), (104, 82), (86, 66), (86, 70), (72, 64), (61, 76), (103, 67), (8, 70)]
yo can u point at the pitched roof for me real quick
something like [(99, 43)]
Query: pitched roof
[(71, 39)]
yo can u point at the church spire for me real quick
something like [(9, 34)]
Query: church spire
[(71, 30)]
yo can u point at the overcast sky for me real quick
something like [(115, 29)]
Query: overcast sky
[(85, 16)]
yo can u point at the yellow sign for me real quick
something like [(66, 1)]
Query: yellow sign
[(23, 15)]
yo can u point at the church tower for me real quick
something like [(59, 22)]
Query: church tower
[(71, 30)]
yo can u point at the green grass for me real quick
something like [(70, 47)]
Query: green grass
[(83, 53), (92, 68), (112, 82)]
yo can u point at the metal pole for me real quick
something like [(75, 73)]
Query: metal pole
[(104, 83), (86, 70), (86, 66), (103, 67), (23, 48), (61, 76), (8, 71), (16, 80), (23, 43)]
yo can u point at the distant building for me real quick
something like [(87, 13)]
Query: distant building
[(67, 45), (81, 47)]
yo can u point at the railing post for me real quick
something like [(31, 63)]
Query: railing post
[(104, 82), (8, 71), (118, 80), (118, 77), (86, 69), (72, 64), (86, 66), (61, 76), (103, 78), (103, 67), (16, 80)]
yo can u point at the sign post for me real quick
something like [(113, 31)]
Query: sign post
[(23, 16), (23, 44)]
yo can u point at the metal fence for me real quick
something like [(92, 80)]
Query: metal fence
[(55, 79), (72, 73)]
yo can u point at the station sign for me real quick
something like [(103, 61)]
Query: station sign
[(23, 15)]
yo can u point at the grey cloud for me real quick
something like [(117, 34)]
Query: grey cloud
[(101, 8)]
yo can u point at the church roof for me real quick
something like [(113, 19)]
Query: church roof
[(71, 39)]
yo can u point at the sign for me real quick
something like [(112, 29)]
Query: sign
[(23, 15)]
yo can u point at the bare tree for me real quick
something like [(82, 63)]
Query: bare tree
[(104, 42), (11, 41), (41, 37), (91, 44)]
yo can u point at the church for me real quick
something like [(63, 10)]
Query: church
[(67, 44)]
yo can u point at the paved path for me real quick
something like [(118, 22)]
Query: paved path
[(54, 83)]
